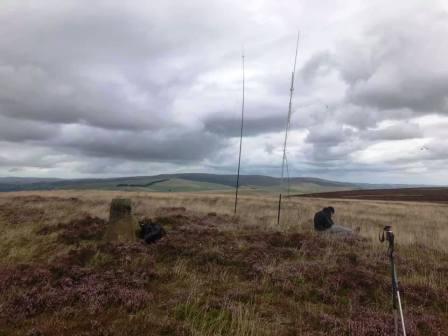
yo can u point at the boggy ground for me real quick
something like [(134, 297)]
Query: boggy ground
[(213, 274)]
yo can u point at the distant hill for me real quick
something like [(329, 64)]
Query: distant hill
[(187, 182), (25, 180)]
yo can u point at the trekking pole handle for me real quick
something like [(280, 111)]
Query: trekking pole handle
[(388, 234)]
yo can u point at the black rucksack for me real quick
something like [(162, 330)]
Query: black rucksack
[(151, 232)]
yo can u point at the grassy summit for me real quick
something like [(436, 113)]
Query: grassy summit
[(215, 274)]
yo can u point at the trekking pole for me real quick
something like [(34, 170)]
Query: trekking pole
[(388, 235)]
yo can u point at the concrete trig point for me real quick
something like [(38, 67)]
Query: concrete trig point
[(122, 224)]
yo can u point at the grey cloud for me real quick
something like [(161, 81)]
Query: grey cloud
[(331, 142), (109, 76), (396, 65), (24, 130), (434, 150), (364, 117), (117, 167), (395, 132), (269, 148), (357, 116), (335, 152), (125, 87), (328, 134), (230, 127), (421, 95), (21, 156), (70, 32), (395, 71), (169, 145), (101, 64), (319, 64), (400, 65), (30, 93)]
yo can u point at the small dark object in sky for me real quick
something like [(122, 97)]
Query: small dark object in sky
[(150, 232)]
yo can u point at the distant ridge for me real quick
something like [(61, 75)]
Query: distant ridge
[(187, 182), (25, 180)]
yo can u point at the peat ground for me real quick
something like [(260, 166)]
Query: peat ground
[(436, 195)]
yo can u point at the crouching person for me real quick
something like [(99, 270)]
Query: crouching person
[(324, 222)]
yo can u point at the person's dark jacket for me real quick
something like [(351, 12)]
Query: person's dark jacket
[(322, 220)]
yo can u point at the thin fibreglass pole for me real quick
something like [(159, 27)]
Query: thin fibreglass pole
[(241, 140), (288, 123)]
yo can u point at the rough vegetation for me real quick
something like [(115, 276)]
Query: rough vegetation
[(213, 274), (435, 194)]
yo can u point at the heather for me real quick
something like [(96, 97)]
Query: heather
[(213, 274)]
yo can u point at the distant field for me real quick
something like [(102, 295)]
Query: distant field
[(216, 273), (175, 185), (437, 195)]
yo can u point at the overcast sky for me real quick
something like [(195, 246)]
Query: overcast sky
[(114, 88)]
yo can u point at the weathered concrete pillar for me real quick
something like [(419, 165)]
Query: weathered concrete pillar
[(122, 224)]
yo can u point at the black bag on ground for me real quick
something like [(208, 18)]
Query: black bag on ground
[(151, 232)]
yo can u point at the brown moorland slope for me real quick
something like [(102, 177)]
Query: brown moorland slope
[(437, 194), (216, 274)]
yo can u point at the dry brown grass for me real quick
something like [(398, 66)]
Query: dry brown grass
[(414, 223), (244, 275)]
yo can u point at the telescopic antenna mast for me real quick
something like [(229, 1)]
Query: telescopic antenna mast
[(288, 124), (241, 139)]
